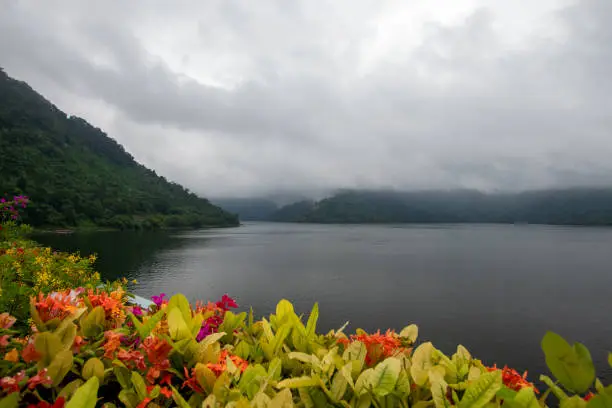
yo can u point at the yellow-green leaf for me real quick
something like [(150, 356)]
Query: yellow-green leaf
[(93, 367), (10, 401), (48, 345), (338, 386), (92, 324), (177, 326), (139, 385), (86, 395), (60, 366), (479, 393), (180, 302), (298, 382), (573, 402), (571, 365), (421, 363), (311, 325), (70, 388), (410, 333)]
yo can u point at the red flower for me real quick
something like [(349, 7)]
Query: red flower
[(41, 378), (191, 381), (513, 380), (144, 403), (226, 303), (588, 396), (4, 340), (57, 305), (166, 392), (59, 403), (379, 346), (11, 384)]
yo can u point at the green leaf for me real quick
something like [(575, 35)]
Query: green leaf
[(571, 365), (602, 400), (410, 333), (180, 302), (60, 366), (93, 367), (421, 363), (311, 325), (573, 402), (251, 379), (525, 398), (299, 382), (438, 387), (123, 377), (70, 388), (363, 384), (558, 392), (48, 345), (385, 376), (67, 332), (284, 309), (338, 386), (177, 326), (147, 327), (610, 359), (86, 395), (92, 324), (129, 398), (10, 401), (139, 385), (274, 369), (480, 392), (356, 353)]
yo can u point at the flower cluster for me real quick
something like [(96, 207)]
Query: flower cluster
[(9, 209), (379, 346)]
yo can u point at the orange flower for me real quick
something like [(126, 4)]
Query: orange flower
[(112, 303), (29, 353), (57, 305), (379, 346), (513, 380), (112, 343), (132, 355), (221, 366), (157, 349), (77, 344), (12, 356), (6, 321)]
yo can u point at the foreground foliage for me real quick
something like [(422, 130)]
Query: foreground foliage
[(91, 348)]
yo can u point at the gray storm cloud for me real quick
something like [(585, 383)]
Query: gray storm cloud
[(239, 98)]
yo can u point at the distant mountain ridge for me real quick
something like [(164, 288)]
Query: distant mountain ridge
[(571, 206), (76, 175)]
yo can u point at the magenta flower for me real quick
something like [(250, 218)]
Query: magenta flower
[(158, 300), (137, 310), (226, 303), (205, 330)]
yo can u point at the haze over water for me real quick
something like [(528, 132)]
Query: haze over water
[(494, 288)]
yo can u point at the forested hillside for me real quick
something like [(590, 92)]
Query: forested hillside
[(575, 206), (76, 175)]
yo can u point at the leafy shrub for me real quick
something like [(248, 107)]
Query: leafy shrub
[(91, 348), (26, 269)]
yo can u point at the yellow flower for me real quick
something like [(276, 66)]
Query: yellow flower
[(134, 281), (92, 258)]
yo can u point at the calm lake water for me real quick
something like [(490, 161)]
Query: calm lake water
[(494, 288)]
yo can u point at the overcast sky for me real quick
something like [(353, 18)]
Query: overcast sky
[(235, 98)]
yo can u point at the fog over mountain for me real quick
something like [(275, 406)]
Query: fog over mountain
[(238, 99)]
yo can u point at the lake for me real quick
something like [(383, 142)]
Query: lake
[(495, 289)]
